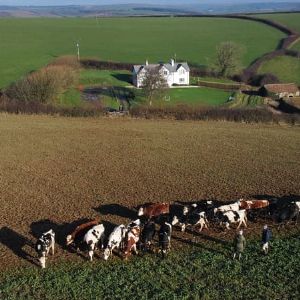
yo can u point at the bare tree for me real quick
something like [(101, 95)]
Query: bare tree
[(154, 84), (228, 58)]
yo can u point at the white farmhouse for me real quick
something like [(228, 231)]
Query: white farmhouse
[(174, 73)]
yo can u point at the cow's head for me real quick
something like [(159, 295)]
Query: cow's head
[(107, 253), (185, 210), (69, 240), (141, 211), (175, 220)]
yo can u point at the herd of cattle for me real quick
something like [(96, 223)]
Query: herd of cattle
[(139, 234)]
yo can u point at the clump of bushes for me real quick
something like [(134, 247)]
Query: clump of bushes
[(262, 79), (33, 107), (43, 86)]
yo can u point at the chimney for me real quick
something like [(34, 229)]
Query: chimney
[(147, 62), (172, 62)]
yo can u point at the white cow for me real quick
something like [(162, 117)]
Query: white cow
[(115, 240), (223, 208), (231, 217), (92, 238)]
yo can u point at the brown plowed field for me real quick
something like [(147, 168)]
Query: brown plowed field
[(55, 171)]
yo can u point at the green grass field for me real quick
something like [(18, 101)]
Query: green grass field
[(286, 68), (28, 44), (204, 272), (105, 78), (291, 20)]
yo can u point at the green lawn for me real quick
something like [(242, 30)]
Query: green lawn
[(286, 68), (194, 80), (28, 44), (197, 96), (206, 271), (105, 78), (188, 96)]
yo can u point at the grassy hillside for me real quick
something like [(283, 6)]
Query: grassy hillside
[(291, 20), (204, 272), (286, 68), (27, 44)]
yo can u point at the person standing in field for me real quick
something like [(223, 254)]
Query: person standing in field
[(239, 245), (265, 239)]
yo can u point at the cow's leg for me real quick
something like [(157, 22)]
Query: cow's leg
[(91, 251), (134, 248), (183, 227), (201, 226), (240, 223), (52, 247), (227, 225), (42, 261)]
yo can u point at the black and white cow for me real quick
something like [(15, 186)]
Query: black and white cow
[(164, 238), (94, 237), (288, 212), (43, 245), (232, 217), (147, 236), (115, 240), (193, 219), (228, 207)]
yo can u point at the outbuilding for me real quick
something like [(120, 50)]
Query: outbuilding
[(280, 90)]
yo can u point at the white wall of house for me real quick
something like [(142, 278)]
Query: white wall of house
[(180, 77)]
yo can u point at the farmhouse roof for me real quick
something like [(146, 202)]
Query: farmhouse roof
[(281, 88), (169, 66)]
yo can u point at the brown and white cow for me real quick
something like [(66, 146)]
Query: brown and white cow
[(133, 236), (76, 237), (253, 204), (153, 210)]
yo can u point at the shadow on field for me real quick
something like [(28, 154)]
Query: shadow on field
[(117, 210), (16, 242), (123, 77), (226, 245), (61, 230)]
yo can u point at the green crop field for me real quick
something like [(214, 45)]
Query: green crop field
[(286, 68), (205, 272), (28, 44)]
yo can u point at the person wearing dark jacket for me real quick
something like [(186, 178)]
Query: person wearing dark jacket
[(239, 244), (265, 239)]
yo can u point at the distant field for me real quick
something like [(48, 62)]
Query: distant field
[(28, 44), (286, 68), (291, 20)]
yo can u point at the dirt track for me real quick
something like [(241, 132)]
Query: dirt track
[(55, 171)]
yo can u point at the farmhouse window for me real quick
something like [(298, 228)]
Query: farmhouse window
[(165, 72), (181, 80)]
